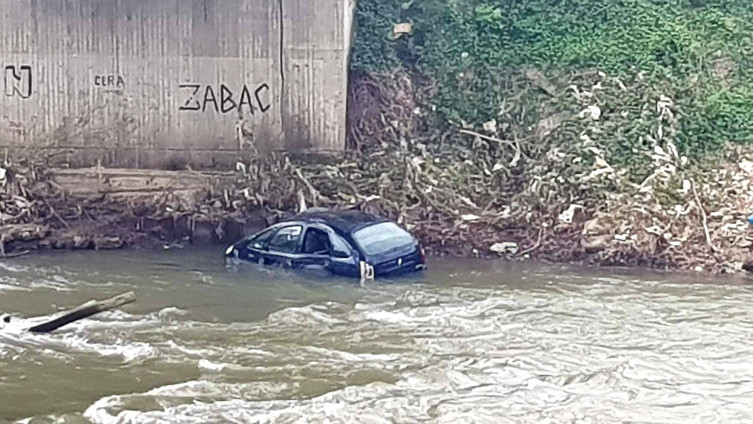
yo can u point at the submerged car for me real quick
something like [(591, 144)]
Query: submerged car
[(346, 243)]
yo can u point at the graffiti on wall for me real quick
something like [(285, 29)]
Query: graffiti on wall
[(18, 81), (196, 97), (109, 81), (203, 98)]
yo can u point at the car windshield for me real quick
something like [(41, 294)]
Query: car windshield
[(382, 237)]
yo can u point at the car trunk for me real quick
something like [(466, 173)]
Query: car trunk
[(400, 260)]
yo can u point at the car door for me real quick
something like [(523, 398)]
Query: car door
[(254, 249), (315, 248), (282, 248), (343, 260)]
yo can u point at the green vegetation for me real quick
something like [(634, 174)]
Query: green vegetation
[(698, 53)]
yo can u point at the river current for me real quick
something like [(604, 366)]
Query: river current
[(465, 342)]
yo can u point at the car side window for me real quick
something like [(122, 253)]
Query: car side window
[(316, 242), (285, 240), (340, 247), (260, 241)]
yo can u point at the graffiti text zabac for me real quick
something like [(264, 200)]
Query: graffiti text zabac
[(222, 99)]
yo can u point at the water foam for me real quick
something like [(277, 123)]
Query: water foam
[(458, 355)]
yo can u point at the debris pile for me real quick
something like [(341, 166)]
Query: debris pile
[(535, 182)]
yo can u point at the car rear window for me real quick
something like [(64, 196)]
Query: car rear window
[(382, 237)]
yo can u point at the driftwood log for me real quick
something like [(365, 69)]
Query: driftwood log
[(84, 311), (20, 232)]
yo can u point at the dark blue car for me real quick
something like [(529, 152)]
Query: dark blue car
[(346, 243)]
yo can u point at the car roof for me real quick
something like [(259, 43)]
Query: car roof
[(344, 222)]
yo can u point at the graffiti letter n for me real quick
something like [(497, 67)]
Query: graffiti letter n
[(18, 83)]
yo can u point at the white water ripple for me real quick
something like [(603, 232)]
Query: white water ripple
[(472, 356), (547, 348)]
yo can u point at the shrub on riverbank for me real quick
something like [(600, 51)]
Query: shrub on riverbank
[(697, 53), (596, 125)]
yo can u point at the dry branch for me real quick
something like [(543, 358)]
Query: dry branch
[(84, 311), (704, 218)]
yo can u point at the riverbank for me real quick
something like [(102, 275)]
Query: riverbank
[(457, 198), (45, 207), (611, 134)]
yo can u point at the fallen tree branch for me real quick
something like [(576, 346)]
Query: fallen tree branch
[(704, 218), (84, 311), (512, 145), (534, 247), (56, 214), (14, 254)]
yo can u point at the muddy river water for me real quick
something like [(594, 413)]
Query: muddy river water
[(466, 342)]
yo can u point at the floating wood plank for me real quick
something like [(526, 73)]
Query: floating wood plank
[(84, 311)]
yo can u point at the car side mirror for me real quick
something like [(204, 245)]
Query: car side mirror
[(340, 254)]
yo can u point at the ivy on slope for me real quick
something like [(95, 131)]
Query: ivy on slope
[(699, 53)]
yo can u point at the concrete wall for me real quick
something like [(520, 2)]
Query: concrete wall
[(164, 83)]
